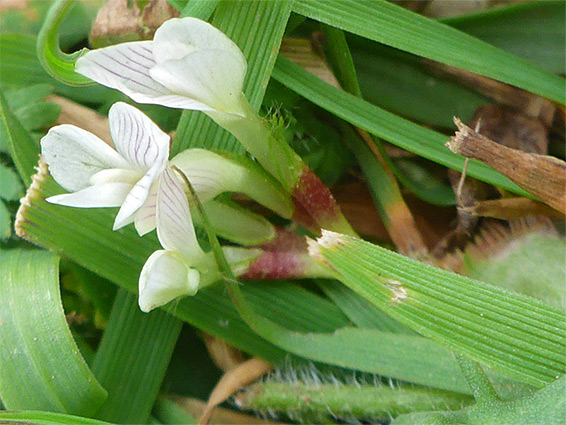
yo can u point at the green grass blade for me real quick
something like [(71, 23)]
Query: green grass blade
[(23, 150), (201, 9), (132, 358), (400, 28), (390, 127), (88, 240), (45, 418), (40, 365), (257, 28), (514, 334)]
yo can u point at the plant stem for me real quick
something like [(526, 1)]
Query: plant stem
[(277, 157), (338, 400)]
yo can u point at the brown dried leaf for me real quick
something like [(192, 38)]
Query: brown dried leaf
[(542, 176), (232, 381), (224, 356)]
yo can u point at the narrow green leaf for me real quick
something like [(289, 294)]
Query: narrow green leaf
[(5, 222), (40, 365), (167, 412), (45, 418), (400, 28), (23, 150), (257, 28), (392, 128), (87, 239), (59, 65), (202, 9), (521, 29), (132, 358), (516, 335)]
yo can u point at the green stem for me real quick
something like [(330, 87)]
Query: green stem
[(322, 402), (277, 157), (59, 65)]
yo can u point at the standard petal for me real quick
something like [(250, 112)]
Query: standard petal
[(125, 67), (136, 137), (164, 277), (74, 155), (211, 174), (213, 77), (98, 196), (178, 37), (174, 223), (145, 217)]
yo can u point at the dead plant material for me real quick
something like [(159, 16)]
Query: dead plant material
[(232, 381), (129, 20), (542, 176), (83, 117), (402, 228), (220, 416), (302, 52), (511, 209), (224, 356)]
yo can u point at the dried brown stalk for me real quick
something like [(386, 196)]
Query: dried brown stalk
[(541, 175)]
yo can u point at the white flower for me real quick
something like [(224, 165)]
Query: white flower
[(171, 272), (188, 65), (100, 176), (128, 177)]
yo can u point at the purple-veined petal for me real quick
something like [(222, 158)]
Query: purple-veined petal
[(212, 77), (145, 216), (125, 67), (164, 277), (136, 137), (178, 37), (99, 196), (74, 155), (174, 223)]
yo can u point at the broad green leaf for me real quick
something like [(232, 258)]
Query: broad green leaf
[(514, 334), (31, 417), (132, 357), (40, 365), (39, 115), (257, 28), (168, 412), (392, 128), (22, 148), (11, 188), (400, 28), (59, 65), (22, 97)]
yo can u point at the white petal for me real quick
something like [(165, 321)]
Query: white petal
[(178, 37), (211, 174), (174, 223), (136, 197), (145, 217), (164, 277), (212, 77), (136, 137), (99, 196), (116, 175), (125, 67), (74, 155)]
